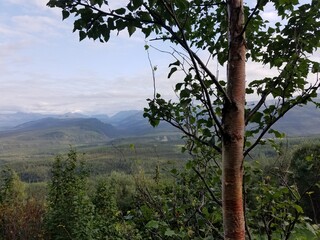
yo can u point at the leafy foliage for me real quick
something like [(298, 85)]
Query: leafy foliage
[(183, 208), (111, 201), (305, 166), (20, 218), (11, 187), (70, 212), (189, 207)]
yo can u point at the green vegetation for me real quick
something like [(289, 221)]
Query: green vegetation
[(70, 212), (33, 162), (20, 215), (168, 199), (212, 111)]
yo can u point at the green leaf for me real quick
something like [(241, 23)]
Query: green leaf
[(169, 233), (131, 29), (315, 67), (176, 63), (185, 102), (82, 35), (99, 2), (120, 11), (256, 117), (137, 3), (249, 91), (298, 208), (65, 14), (153, 224), (132, 147), (172, 71), (276, 133), (178, 86), (185, 93)]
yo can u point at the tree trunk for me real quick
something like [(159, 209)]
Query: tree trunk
[(233, 126)]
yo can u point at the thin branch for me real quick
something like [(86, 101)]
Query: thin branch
[(249, 18), (267, 92), (183, 56), (211, 75), (112, 14), (291, 225), (192, 55), (207, 187), (308, 190), (219, 235), (176, 125), (153, 74)]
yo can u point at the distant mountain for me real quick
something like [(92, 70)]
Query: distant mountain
[(89, 124), (13, 119), (51, 132), (300, 121), (58, 133), (133, 123), (120, 116), (102, 117)]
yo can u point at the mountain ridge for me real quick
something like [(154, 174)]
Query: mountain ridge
[(300, 121)]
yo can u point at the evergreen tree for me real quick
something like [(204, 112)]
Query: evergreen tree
[(70, 211)]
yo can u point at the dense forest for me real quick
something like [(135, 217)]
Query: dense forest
[(151, 190)]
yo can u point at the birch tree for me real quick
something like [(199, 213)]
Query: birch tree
[(211, 110)]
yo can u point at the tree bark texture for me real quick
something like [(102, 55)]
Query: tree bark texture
[(233, 126)]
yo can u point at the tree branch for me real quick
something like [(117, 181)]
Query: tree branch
[(207, 187), (194, 62)]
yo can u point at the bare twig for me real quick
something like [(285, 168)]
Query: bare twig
[(153, 74), (207, 187)]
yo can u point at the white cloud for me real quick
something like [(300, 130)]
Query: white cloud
[(41, 4), (36, 24)]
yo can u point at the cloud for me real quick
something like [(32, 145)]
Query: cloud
[(36, 25), (30, 4)]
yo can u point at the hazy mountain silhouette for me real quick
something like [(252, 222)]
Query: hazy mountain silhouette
[(300, 121)]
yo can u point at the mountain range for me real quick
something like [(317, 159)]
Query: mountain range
[(32, 130), (78, 128)]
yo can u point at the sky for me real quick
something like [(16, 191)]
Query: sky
[(45, 69)]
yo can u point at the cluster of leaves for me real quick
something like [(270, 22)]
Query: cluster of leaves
[(273, 203)]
